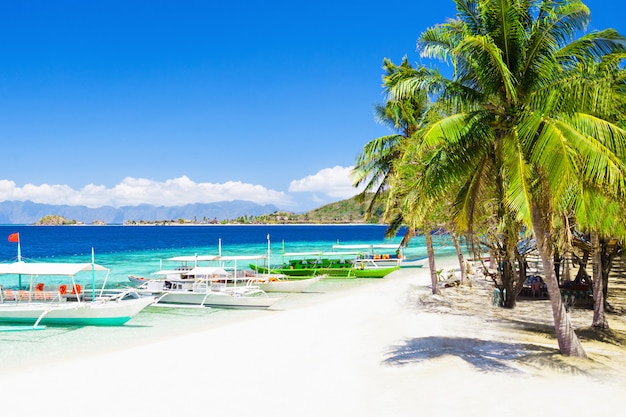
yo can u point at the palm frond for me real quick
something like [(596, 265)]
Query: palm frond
[(596, 45), (490, 69)]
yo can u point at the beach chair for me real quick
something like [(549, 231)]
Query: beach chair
[(535, 288), (9, 295)]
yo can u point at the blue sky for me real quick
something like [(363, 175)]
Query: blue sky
[(168, 103)]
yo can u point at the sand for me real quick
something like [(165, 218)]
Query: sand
[(384, 348)]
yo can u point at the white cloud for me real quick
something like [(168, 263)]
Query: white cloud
[(134, 191), (334, 182), (327, 185)]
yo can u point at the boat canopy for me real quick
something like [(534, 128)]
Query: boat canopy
[(368, 246), (240, 258), (193, 258), (303, 254), (48, 268), (206, 270), (319, 254), (171, 271), (346, 253)]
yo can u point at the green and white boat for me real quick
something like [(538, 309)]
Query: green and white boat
[(328, 264)]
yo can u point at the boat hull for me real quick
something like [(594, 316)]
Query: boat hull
[(215, 299), (374, 272), (301, 273), (287, 285), (98, 313), (413, 263), (347, 272), (403, 263)]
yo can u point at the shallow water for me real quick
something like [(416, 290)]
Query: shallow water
[(140, 253), (23, 349)]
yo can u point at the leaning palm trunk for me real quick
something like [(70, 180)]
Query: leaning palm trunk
[(599, 318), (568, 341)]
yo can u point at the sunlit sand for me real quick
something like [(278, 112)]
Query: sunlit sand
[(385, 347)]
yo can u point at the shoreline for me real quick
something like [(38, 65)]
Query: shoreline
[(382, 347), (196, 224)]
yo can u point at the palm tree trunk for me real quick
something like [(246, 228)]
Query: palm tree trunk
[(599, 318), (431, 262), (508, 276), (459, 254), (569, 344), (567, 276)]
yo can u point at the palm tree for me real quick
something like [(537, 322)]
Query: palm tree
[(375, 165), (509, 103), (601, 94)]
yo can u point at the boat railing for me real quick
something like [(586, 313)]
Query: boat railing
[(26, 296)]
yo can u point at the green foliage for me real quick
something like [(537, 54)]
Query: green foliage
[(341, 212), (52, 220), (529, 128)]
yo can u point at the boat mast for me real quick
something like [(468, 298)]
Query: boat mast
[(268, 254), (15, 237), (93, 276)]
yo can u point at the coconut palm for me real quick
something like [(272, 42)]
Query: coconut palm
[(509, 103), (599, 214), (376, 165)]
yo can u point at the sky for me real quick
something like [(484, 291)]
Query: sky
[(118, 103)]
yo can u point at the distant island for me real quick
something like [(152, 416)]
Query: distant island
[(348, 211), (55, 220), (52, 220), (28, 212)]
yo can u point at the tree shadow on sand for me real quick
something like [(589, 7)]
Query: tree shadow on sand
[(484, 355)]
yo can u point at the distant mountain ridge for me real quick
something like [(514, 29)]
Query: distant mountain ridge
[(27, 212)]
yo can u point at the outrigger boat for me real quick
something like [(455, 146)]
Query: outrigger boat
[(206, 286), (384, 254), (282, 283), (277, 282), (184, 263), (331, 264), (39, 303)]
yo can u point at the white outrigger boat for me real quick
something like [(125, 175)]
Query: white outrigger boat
[(206, 286), (282, 283), (378, 254), (64, 304), (273, 282)]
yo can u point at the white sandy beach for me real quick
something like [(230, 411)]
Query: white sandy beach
[(371, 351)]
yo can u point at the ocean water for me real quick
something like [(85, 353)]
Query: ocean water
[(138, 250)]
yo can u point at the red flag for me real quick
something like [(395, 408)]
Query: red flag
[(14, 238)]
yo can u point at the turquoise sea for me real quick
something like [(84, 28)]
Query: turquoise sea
[(138, 250)]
